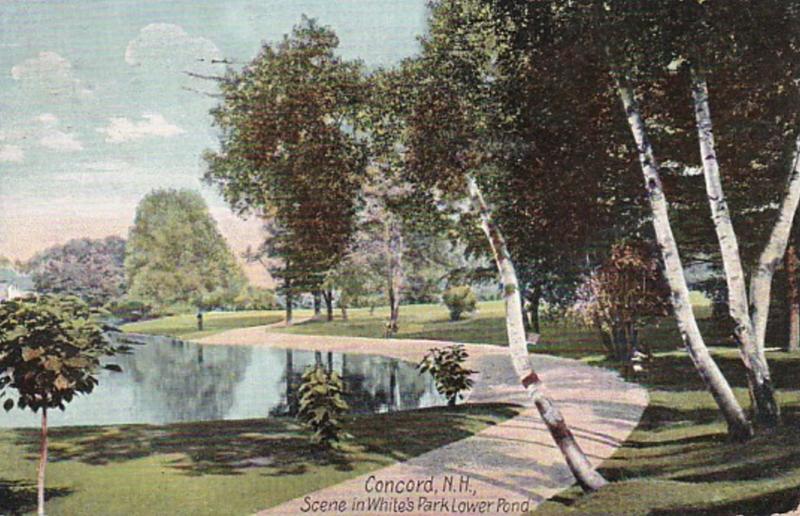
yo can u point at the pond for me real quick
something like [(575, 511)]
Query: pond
[(167, 381)]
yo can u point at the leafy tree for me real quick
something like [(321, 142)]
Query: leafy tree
[(449, 373), (459, 299), (288, 150), (92, 269), (50, 351), (322, 406), (620, 294), (450, 132), (713, 53), (176, 255)]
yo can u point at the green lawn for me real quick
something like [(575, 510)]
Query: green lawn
[(678, 460), (214, 468), (185, 325), (487, 326)]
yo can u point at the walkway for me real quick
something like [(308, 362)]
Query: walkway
[(510, 467)]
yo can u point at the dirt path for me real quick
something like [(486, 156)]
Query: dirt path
[(506, 469)]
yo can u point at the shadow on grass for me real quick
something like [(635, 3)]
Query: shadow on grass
[(279, 446), (19, 497)]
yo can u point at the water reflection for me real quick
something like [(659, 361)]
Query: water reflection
[(166, 380)]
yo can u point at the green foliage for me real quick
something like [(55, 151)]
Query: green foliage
[(322, 407), (129, 310), (50, 350), (459, 299), (446, 366), (255, 298), (288, 150), (91, 269), (176, 255)]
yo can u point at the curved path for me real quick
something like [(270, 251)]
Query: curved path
[(510, 467)]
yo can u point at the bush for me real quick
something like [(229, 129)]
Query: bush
[(255, 298), (451, 377), (459, 300), (128, 310), (322, 407)]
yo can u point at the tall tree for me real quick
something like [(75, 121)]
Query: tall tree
[(92, 269), (288, 147), (741, 57), (454, 104), (177, 256)]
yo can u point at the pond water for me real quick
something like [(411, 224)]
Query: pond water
[(166, 381)]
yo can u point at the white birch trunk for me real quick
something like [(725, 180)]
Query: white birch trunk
[(762, 394), (771, 256), (738, 426), (580, 466)]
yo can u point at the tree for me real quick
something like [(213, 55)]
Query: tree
[(750, 63), (50, 351), (176, 255), (618, 295), (288, 149), (92, 269), (453, 103)]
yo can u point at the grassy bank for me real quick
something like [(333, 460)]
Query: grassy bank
[(679, 461), (214, 468), (487, 326), (185, 325)]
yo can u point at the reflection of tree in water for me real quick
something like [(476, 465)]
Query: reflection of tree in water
[(373, 384), (187, 382)]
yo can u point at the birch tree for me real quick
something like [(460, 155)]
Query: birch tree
[(746, 53), (448, 152)]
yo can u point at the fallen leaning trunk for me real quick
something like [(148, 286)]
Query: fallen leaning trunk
[(576, 459)]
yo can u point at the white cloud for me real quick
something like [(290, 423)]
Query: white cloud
[(123, 129), (51, 73), (11, 154), (60, 141), (48, 119), (168, 45), (107, 166)]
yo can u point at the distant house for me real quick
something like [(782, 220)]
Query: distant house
[(14, 284)]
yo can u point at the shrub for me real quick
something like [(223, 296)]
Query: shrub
[(451, 377), (128, 310), (322, 407), (459, 299)]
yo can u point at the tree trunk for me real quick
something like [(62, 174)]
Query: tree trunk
[(317, 304), (771, 256), (42, 464), (793, 299), (344, 311), (578, 464), (762, 397), (289, 302), (535, 300), (393, 276), (328, 295), (738, 426)]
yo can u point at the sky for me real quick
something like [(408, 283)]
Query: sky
[(96, 108)]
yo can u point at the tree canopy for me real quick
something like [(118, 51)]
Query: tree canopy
[(176, 254), (92, 269)]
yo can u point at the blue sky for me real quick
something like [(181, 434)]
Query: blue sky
[(96, 110)]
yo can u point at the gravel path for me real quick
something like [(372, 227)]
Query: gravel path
[(505, 469)]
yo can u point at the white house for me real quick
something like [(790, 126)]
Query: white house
[(14, 284)]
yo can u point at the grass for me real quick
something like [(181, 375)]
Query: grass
[(487, 326), (185, 325), (679, 461), (215, 468)]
